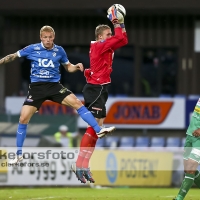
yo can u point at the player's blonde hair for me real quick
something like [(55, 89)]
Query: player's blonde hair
[(99, 30), (47, 28)]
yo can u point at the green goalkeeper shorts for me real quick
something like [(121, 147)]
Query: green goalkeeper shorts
[(192, 148)]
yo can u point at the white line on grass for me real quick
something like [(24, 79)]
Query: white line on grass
[(43, 198)]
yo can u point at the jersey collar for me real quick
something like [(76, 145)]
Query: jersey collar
[(46, 48)]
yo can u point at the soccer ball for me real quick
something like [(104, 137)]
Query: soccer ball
[(120, 10)]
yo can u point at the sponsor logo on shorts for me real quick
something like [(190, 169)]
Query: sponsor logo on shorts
[(29, 99), (63, 90), (94, 108)]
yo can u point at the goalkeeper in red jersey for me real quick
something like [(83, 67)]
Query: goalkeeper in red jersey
[(95, 92)]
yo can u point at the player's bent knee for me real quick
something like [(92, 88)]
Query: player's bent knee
[(23, 120), (78, 104), (191, 166)]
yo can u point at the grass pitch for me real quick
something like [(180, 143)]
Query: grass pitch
[(66, 193)]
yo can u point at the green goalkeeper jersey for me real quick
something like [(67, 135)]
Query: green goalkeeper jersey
[(195, 119)]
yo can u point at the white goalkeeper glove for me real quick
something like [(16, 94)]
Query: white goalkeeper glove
[(112, 15), (120, 17)]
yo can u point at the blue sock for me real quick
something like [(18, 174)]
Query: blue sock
[(21, 135), (87, 116)]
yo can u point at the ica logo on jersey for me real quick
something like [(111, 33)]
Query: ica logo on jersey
[(45, 63)]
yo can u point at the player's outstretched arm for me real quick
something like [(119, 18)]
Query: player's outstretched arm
[(73, 68), (8, 58)]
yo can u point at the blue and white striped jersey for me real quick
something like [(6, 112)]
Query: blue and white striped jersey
[(44, 63)]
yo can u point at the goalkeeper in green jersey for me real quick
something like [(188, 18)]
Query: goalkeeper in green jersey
[(191, 154)]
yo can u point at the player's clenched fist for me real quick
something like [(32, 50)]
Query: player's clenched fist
[(79, 66)]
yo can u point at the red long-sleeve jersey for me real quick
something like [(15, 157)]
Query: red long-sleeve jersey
[(101, 57)]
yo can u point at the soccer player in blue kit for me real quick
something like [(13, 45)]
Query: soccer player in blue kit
[(45, 76)]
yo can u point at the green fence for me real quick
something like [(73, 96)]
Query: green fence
[(39, 124)]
